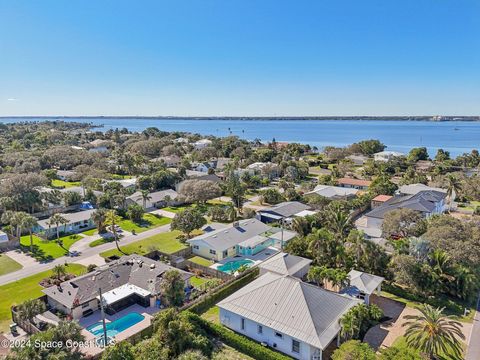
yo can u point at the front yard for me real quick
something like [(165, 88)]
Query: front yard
[(8, 265), (44, 250), (25, 289), (164, 242), (150, 221), (201, 261), (65, 184)]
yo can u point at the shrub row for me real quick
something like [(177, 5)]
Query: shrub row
[(207, 301), (237, 341)]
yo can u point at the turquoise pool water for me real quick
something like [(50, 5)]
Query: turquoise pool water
[(117, 326), (232, 266)]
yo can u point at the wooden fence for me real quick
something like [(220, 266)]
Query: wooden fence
[(207, 270)]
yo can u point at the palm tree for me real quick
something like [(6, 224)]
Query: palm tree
[(112, 219), (231, 212), (57, 220), (433, 333), (453, 187), (465, 282), (58, 271), (349, 326), (338, 220), (339, 278), (317, 274), (99, 217), (29, 222), (30, 308), (145, 197)]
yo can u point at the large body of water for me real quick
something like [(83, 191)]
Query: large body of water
[(454, 136)]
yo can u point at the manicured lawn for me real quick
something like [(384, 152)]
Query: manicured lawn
[(165, 242), (8, 265), (65, 184), (201, 261), (25, 289), (472, 205), (150, 221), (223, 352), (217, 202), (100, 241), (90, 232), (454, 307), (48, 249), (212, 314), (197, 281), (176, 209)]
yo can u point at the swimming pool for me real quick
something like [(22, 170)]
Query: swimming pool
[(117, 326), (232, 266)]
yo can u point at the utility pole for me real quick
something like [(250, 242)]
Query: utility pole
[(105, 339)]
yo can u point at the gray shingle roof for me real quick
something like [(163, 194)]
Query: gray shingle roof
[(71, 217), (154, 196), (128, 269), (232, 235), (423, 201), (285, 209), (333, 191), (288, 305)]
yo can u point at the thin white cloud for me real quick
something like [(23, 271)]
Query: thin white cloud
[(12, 99)]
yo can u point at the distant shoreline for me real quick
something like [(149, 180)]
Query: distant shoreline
[(263, 118)]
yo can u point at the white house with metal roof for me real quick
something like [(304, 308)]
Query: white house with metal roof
[(286, 264), (291, 316), (76, 222), (362, 285), (284, 211), (246, 237), (334, 192)]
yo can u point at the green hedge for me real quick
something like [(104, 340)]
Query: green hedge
[(211, 299), (237, 341)]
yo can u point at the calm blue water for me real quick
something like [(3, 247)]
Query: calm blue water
[(117, 326), (397, 135), (232, 266)]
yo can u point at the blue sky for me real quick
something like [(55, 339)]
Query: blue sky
[(239, 57)]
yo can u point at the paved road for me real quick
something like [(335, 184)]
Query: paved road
[(39, 267), (473, 349)]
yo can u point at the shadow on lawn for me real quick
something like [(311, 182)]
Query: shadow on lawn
[(37, 253)]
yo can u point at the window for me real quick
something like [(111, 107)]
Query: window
[(196, 247), (242, 324), (213, 252), (85, 305), (260, 329), (295, 346), (277, 334), (225, 253)]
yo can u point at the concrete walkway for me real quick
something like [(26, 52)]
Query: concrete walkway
[(473, 350), (39, 267), (164, 213), (21, 258)]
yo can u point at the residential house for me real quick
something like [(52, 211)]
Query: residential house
[(201, 144), (171, 161), (286, 264), (126, 183), (197, 175), (245, 237), (3, 237), (358, 160), (354, 183), (202, 167), (220, 163), (387, 155), (427, 202), (130, 280), (379, 200), (66, 175), (282, 312), (76, 222), (413, 189), (363, 285), (284, 211), (155, 199), (334, 192), (267, 169), (424, 166)]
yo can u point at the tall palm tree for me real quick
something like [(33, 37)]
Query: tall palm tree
[(453, 187), (29, 222), (112, 219), (145, 197), (59, 271), (433, 333), (30, 308), (465, 282), (99, 217), (349, 326), (338, 220), (57, 220)]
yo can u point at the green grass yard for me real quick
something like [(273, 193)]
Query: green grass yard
[(201, 261), (8, 265), (197, 281), (25, 289), (150, 221), (401, 343), (48, 249), (65, 184), (164, 242), (176, 209), (90, 232), (212, 314)]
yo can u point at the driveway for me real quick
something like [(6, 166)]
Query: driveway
[(88, 252), (473, 350), (384, 335)]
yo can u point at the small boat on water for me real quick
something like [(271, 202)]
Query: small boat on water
[(456, 129)]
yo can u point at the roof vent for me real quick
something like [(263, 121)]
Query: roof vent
[(236, 224), (152, 266)]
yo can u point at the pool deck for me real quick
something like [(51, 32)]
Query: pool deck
[(96, 317), (257, 258)]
